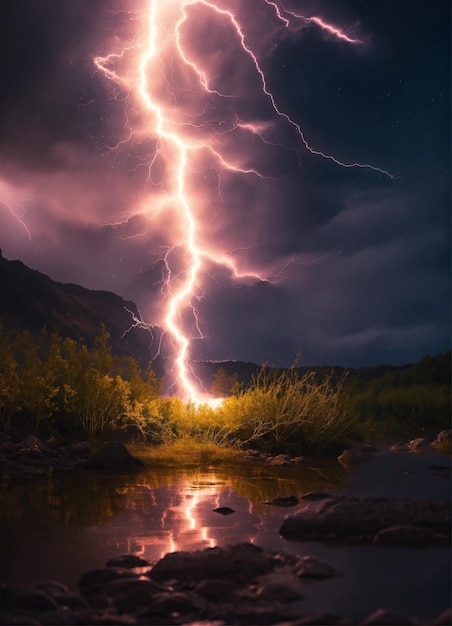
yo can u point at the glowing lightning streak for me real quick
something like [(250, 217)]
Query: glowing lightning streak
[(167, 129)]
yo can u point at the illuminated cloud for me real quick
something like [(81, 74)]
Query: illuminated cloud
[(347, 256)]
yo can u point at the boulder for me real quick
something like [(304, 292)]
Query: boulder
[(238, 563), (357, 454), (363, 517), (114, 456), (420, 444), (127, 561), (309, 567), (444, 436), (281, 460)]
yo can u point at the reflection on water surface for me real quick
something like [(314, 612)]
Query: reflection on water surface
[(58, 528)]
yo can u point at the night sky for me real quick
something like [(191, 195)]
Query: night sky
[(354, 261)]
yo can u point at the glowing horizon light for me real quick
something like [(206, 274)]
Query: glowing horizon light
[(168, 90)]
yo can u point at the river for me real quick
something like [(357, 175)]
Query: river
[(57, 528)]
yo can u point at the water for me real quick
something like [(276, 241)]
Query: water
[(56, 529)]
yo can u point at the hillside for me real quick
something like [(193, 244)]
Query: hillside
[(30, 300)]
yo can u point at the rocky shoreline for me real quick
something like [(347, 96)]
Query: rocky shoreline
[(237, 584)]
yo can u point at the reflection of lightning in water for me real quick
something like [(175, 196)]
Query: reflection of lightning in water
[(169, 93)]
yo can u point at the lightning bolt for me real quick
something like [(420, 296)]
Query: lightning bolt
[(168, 92)]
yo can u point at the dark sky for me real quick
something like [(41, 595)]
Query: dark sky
[(354, 261)]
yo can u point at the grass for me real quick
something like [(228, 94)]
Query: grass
[(185, 453)]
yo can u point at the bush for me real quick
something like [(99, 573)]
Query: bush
[(281, 411)]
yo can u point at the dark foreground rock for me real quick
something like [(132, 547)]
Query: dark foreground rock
[(29, 456), (238, 584), (360, 518), (113, 456)]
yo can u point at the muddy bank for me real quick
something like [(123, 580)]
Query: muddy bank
[(239, 584)]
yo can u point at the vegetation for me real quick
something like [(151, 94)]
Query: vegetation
[(59, 386)]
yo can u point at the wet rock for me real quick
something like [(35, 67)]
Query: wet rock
[(357, 454), (128, 561), (400, 446), (420, 444), (407, 535), (277, 592), (224, 510), (363, 517), (284, 501), (215, 590), (129, 595), (387, 617), (241, 563), (62, 596), (309, 567), (316, 495), (96, 578), (167, 604), (281, 460), (35, 600), (300, 460), (445, 436), (114, 456)]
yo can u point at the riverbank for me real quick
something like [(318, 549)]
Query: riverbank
[(240, 584), (24, 456)]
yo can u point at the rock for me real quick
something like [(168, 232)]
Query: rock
[(61, 594), (445, 436), (129, 595), (35, 600), (284, 501), (316, 495), (400, 446), (357, 454), (166, 604), (95, 579), (404, 535), (277, 592), (114, 456), (387, 617), (309, 567), (281, 460), (363, 517), (238, 563), (224, 510), (419, 445), (215, 589), (128, 561), (300, 460)]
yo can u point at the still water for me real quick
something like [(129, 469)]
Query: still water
[(56, 529)]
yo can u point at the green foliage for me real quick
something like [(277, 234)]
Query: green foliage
[(224, 385), (62, 385), (406, 402), (281, 411)]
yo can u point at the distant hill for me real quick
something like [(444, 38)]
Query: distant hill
[(30, 300)]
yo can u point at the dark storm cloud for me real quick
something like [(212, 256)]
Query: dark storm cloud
[(367, 258)]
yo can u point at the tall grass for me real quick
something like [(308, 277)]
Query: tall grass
[(278, 412), (281, 411)]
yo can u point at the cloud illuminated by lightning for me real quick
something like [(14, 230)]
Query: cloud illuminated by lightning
[(170, 91)]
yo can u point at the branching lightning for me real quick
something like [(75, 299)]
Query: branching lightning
[(158, 71)]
